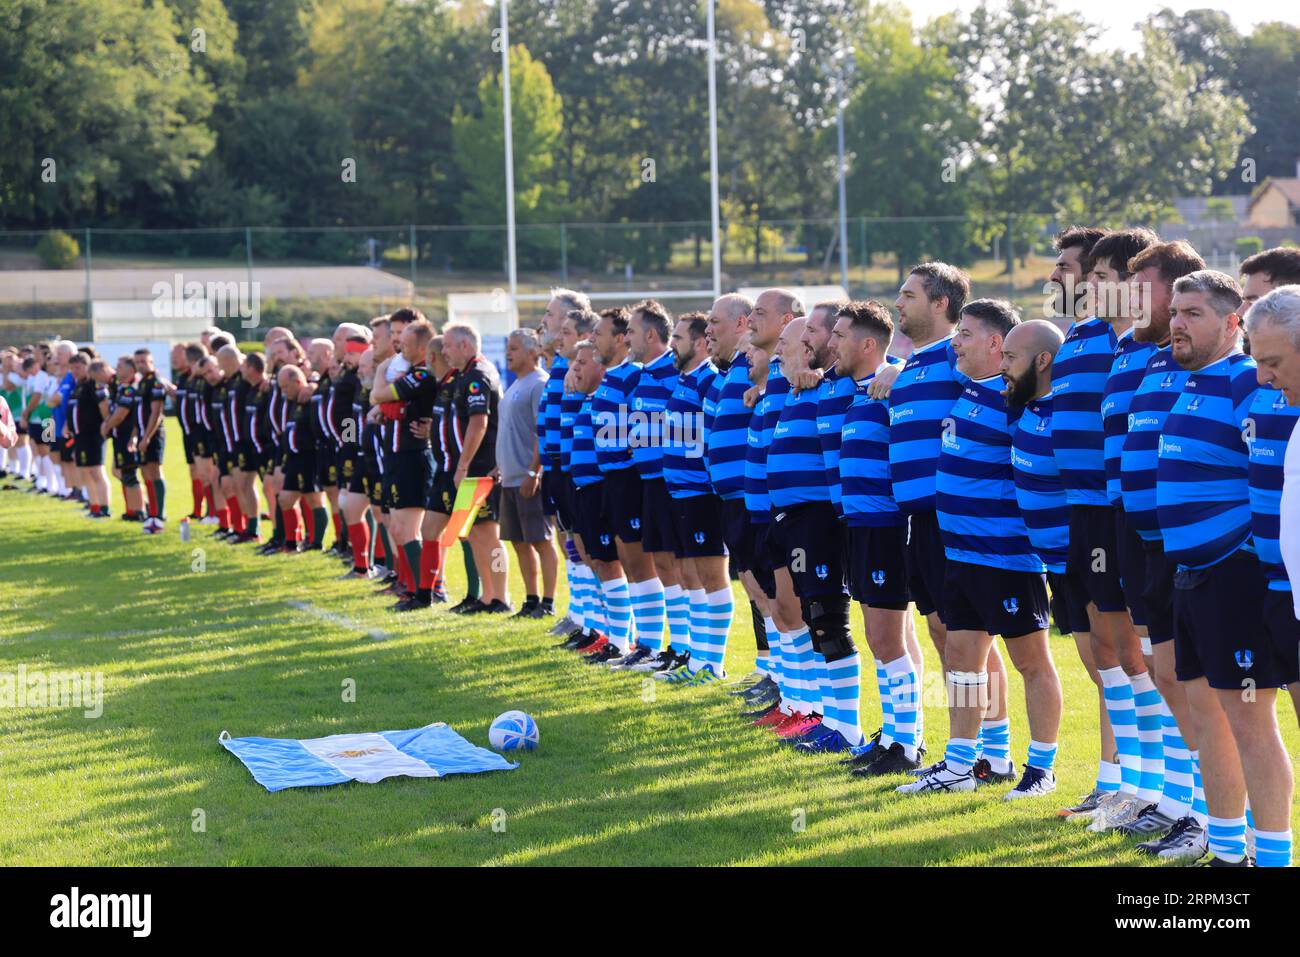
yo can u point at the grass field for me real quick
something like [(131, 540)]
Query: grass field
[(620, 777)]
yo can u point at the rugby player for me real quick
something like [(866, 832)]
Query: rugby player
[(662, 598), (550, 477), (585, 605), (85, 417), (301, 478), (620, 489), (1152, 273), (696, 512), (119, 415), (1079, 377), (1223, 655), (1272, 451), (994, 582), (152, 438)]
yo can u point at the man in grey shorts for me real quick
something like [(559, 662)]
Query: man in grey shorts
[(523, 519)]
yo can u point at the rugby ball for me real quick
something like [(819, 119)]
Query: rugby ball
[(513, 731)]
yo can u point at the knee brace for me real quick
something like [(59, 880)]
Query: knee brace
[(130, 478), (828, 625)]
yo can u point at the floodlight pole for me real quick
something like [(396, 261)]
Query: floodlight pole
[(713, 155), (844, 217), (510, 158)]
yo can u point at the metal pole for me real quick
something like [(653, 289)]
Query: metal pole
[(411, 247), (844, 222), (564, 254), (248, 248), (713, 155), (89, 317), (510, 157)]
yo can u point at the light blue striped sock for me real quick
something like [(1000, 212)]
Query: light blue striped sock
[(678, 609), (1146, 707), (618, 612), (960, 755), (901, 688), (1042, 755), (772, 666), (699, 624), (886, 705), (1123, 721), (845, 679), (1176, 794), (822, 700), (997, 743), (799, 660), (1272, 848), (720, 609), (1228, 837), (648, 611), (1199, 809)]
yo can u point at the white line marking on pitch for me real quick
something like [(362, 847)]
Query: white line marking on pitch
[(374, 634)]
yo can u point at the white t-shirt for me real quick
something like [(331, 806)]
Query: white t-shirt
[(42, 384), (398, 366), (1289, 522)]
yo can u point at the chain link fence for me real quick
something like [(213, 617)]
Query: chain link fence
[(310, 279)]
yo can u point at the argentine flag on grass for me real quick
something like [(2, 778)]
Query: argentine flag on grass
[(433, 751)]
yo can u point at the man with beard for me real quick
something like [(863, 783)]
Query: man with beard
[(620, 486), (152, 437), (1092, 568), (697, 518), (1152, 273), (1220, 634), (1027, 358), (994, 582)]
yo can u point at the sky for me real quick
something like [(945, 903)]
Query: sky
[(1121, 16)]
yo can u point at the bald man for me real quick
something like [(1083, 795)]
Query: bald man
[(300, 463), (1028, 354)]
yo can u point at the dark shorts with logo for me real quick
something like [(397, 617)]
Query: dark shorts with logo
[(123, 459), (697, 521), (810, 539), (741, 536), (300, 473), (998, 601), (65, 450), (622, 503), (246, 457), (156, 453), (89, 451), (351, 467), (658, 530), (1219, 625), (408, 479), (877, 565), (588, 513)]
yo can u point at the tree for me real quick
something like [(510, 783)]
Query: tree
[(478, 144), (100, 109)]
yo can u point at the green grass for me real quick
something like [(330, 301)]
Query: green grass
[(618, 779)]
